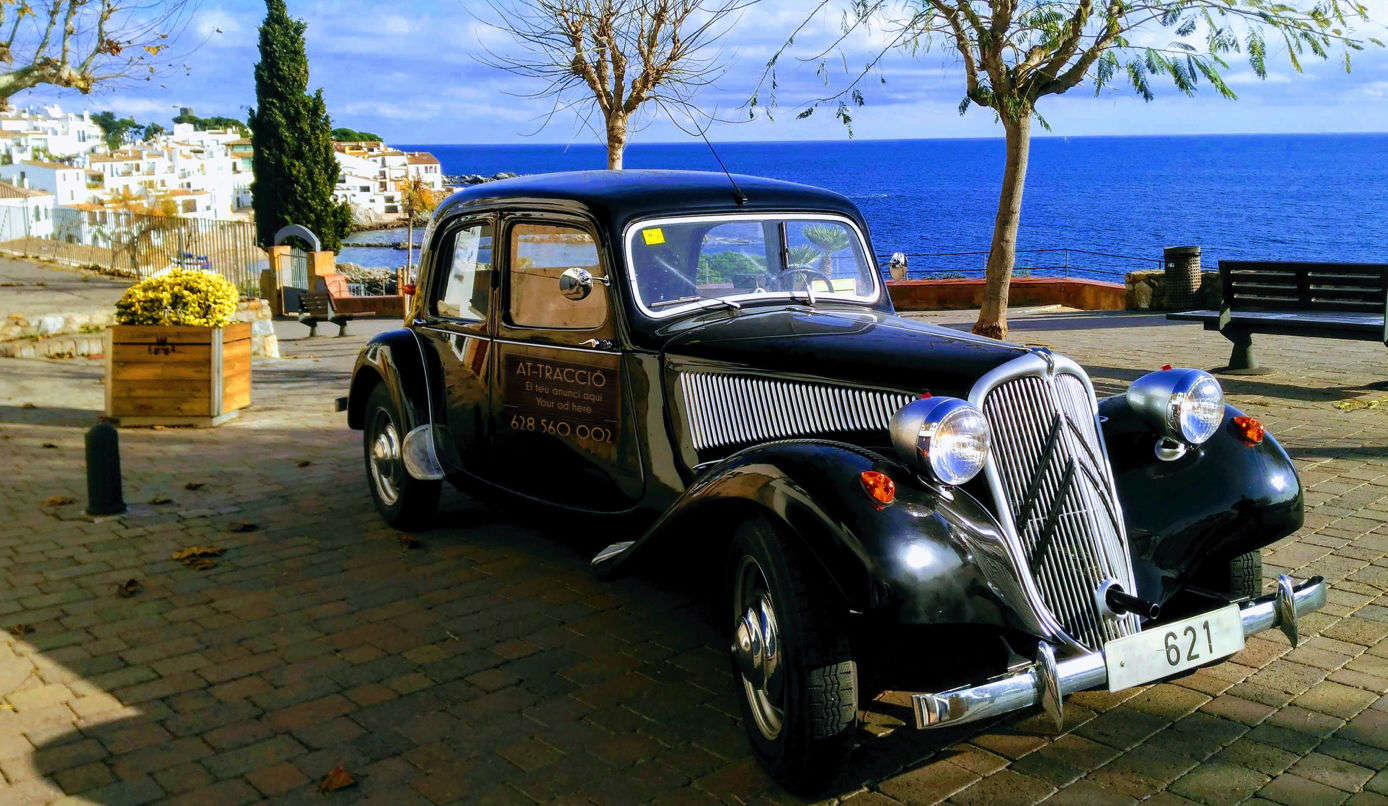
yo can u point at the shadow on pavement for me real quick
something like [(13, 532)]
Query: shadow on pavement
[(47, 415), (485, 659)]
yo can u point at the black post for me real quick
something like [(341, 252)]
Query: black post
[(103, 471)]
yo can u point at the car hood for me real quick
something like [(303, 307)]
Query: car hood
[(842, 343)]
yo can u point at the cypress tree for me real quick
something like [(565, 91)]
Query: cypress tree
[(291, 134)]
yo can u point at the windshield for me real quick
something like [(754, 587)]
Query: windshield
[(680, 263)]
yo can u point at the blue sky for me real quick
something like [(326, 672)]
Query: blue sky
[(409, 72)]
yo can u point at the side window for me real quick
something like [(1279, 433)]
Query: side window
[(467, 265), (539, 254)]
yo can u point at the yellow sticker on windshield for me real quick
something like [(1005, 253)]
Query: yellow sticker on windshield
[(654, 236)]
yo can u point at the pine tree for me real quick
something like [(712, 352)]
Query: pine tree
[(291, 134)]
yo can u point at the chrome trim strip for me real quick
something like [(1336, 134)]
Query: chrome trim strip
[(1088, 670), (723, 410)]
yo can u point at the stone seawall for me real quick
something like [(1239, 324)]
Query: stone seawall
[(83, 334), (1146, 291)]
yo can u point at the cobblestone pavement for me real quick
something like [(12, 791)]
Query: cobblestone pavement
[(488, 665)]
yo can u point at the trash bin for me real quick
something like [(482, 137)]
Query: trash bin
[(1182, 276)]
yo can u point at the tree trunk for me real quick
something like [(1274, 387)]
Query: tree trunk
[(616, 142), (1002, 255)]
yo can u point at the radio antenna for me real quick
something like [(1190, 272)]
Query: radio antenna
[(738, 195)]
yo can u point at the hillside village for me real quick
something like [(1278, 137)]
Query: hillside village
[(59, 180)]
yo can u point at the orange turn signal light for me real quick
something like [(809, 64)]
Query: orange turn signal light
[(879, 486), (1249, 430)]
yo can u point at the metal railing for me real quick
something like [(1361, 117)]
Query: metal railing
[(1062, 262), (135, 244)]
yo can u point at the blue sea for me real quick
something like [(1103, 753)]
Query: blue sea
[(1288, 197)]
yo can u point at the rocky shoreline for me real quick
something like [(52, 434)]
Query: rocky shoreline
[(476, 179)]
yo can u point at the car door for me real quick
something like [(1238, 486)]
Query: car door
[(456, 324), (561, 429)]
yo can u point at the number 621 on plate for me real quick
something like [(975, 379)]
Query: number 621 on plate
[(1170, 648)]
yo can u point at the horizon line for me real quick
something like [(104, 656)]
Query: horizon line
[(629, 146)]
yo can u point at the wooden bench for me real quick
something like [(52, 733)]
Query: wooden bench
[(317, 306), (1325, 300)]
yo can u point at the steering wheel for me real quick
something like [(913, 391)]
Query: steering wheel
[(810, 275)]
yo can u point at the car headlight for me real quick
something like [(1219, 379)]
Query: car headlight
[(943, 436), (1186, 404)]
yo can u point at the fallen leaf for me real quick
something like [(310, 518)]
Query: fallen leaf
[(194, 485), (58, 500), (200, 563), (160, 500), (408, 542), (28, 406), (305, 463), (129, 588), (243, 526), (183, 555), (1361, 403), (158, 427), (19, 629), (337, 778)]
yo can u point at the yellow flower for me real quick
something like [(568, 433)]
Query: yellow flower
[(179, 297)]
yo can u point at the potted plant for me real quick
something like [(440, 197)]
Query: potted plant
[(175, 357)]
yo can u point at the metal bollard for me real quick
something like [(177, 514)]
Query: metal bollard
[(103, 471)]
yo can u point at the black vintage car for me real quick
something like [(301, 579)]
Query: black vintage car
[(714, 362)]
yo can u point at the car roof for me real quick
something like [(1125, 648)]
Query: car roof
[(624, 195)]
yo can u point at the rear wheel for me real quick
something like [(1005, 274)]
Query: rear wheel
[(404, 502), (792, 658)]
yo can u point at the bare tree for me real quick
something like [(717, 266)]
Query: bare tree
[(79, 44), (1015, 52), (614, 56)]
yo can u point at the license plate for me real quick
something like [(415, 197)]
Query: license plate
[(1160, 651)]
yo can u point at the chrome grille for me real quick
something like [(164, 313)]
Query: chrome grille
[(1049, 460), (724, 409)]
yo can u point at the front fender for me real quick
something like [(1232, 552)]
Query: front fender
[(1219, 500), (927, 558), (396, 359)]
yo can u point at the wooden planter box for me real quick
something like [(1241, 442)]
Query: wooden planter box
[(199, 376)]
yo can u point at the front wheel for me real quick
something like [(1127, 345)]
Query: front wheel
[(404, 501), (792, 659)]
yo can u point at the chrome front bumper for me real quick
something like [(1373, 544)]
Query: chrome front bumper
[(1046, 681)]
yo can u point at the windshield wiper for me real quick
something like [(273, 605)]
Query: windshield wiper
[(703, 302)]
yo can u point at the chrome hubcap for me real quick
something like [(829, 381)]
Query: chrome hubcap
[(757, 648), (385, 459)]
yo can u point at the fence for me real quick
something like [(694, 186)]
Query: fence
[(1080, 264), (134, 244)]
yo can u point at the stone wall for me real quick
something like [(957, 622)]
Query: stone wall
[(1146, 291), (82, 335), (263, 339)]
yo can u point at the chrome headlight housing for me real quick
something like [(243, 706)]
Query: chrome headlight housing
[(942, 436), (1185, 404)]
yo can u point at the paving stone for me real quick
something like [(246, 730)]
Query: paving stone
[(491, 656)]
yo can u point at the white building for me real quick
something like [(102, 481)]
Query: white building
[(69, 184), (372, 174), (25, 212), (49, 131)]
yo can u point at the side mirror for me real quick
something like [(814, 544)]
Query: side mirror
[(576, 283)]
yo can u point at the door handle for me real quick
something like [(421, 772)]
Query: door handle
[(596, 344)]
